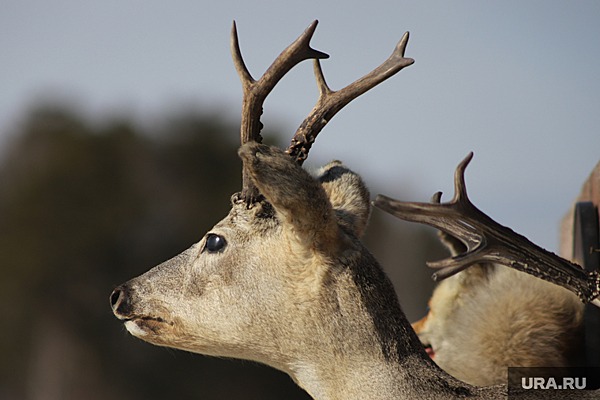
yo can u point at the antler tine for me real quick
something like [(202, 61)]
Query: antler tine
[(460, 188), (238, 60), (489, 242), (255, 92), (324, 89), (330, 102)]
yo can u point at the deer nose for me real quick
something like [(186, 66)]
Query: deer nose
[(120, 302)]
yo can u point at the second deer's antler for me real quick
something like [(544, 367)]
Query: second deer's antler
[(489, 242)]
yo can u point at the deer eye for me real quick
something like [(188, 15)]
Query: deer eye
[(214, 243)]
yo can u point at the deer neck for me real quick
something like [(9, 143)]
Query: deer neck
[(369, 373), (354, 379), (362, 346), (415, 377)]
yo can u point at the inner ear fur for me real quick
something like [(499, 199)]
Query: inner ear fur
[(299, 200), (348, 196)]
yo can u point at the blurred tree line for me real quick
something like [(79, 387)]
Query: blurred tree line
[(84, 208)]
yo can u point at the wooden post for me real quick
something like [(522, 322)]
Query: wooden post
[(590, 192), (580, 242)]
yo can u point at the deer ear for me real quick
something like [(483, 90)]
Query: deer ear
[(453, 244), (299, 199), (348, 196)]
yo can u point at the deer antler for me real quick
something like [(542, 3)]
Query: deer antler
[(330, 102), (255, 92), (488, 241)]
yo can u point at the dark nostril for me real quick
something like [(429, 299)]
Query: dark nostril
[(115, 297), (120, 302)]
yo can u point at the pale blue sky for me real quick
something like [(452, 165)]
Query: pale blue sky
[(514, 81)]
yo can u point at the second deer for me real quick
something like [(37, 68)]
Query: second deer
[(491, 311)]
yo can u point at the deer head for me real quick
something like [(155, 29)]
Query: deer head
[(257, 272), (283, 279)]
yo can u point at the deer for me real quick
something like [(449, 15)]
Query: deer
[(490, 310), (284, 279)]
